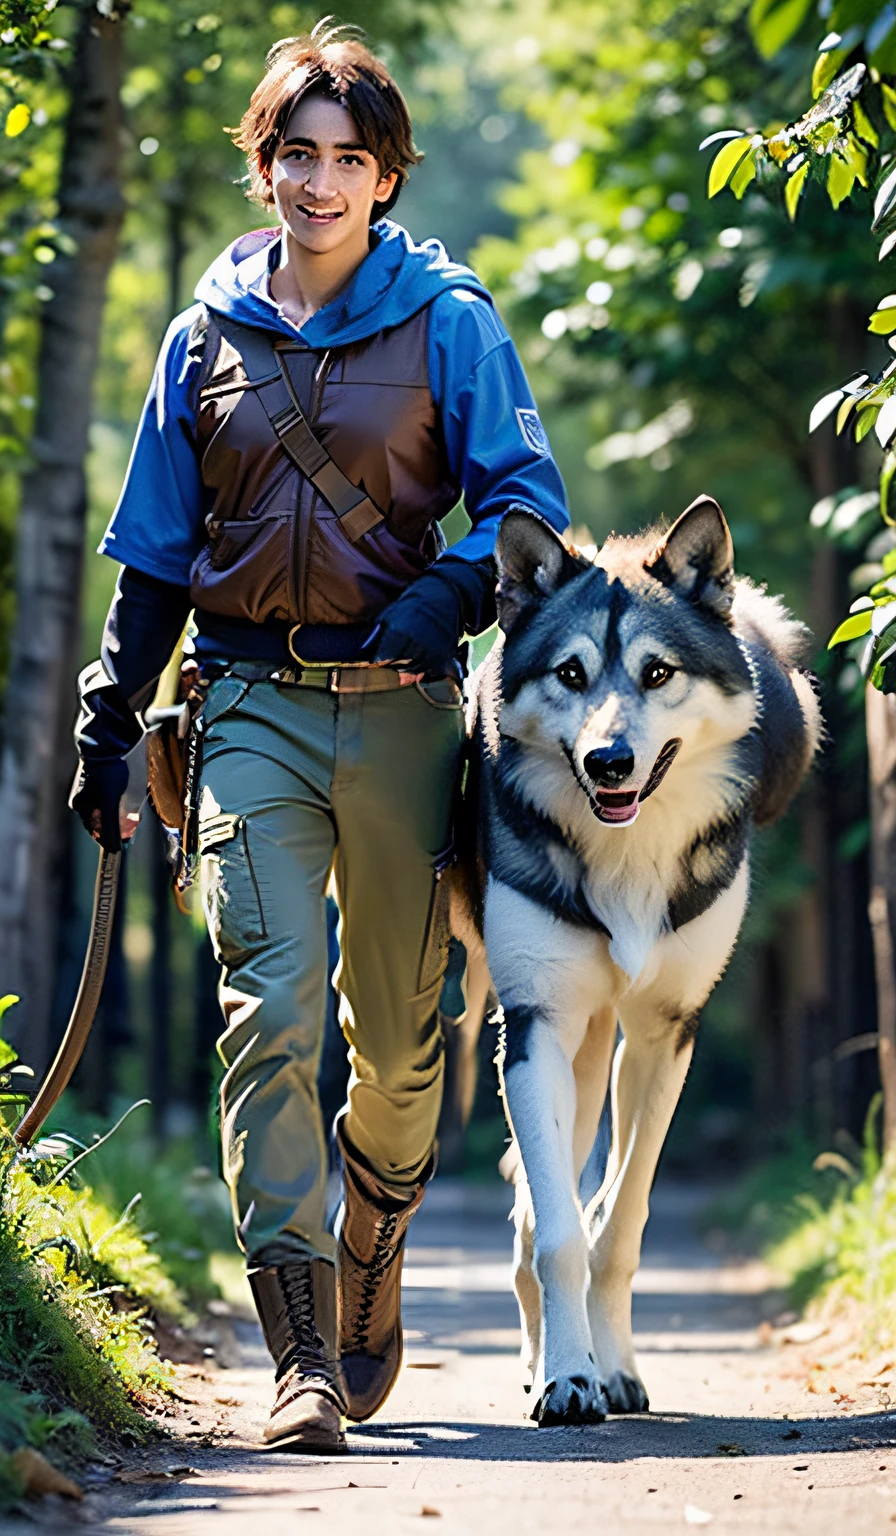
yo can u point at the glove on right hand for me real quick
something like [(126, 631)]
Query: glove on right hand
[(96, 798)]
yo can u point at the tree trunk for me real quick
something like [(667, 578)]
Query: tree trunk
[(38, 756), (880, 719)]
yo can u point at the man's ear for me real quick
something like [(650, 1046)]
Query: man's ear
[(533, 564), (696, 558)]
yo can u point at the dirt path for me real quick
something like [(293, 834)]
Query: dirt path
[(455, 1444)]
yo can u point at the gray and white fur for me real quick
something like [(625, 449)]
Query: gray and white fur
[(642, 714)]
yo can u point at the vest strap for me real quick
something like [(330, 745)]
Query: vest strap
[(356, 512)]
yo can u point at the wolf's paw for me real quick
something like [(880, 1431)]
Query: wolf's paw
[(626, 1394), (571, 1400)]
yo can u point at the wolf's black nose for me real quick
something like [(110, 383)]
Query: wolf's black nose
[(610, 766)]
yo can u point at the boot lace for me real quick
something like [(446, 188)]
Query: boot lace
[(309, 1352), (383, 1252)]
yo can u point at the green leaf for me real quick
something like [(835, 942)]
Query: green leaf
[(885, 426), (17, 119), (726, 162), (867, 418), (888, 96), (863, 125), (824, 407), (744, 174), (774, 22), (844, 412), (853, 628), (884, 201), (883, 322), (6, 1002), (856, 157), (794, 187), (826, 66), (841, 180), (887, 473)]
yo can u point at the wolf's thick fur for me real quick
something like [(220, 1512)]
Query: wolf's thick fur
[(643, 714)]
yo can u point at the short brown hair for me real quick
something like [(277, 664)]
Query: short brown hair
[(340, 67)]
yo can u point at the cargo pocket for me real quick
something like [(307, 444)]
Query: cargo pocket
[(441, 693), (230, 890), (438, 932), (223, 696)]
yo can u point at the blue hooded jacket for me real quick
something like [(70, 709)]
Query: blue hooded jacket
[(496, 446)]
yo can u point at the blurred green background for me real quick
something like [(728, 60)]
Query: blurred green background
[(675, 345)]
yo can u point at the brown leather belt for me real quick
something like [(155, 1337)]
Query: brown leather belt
[(345, 679), (333, 679)]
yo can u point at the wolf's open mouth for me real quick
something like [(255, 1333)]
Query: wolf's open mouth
[(619, 808)]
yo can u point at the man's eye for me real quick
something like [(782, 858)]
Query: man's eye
[(656, 673), (572, 675), (352, 160)]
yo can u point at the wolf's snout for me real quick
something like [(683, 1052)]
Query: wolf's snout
[(611, 765)]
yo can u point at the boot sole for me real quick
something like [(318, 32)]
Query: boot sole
[(300, 1445)]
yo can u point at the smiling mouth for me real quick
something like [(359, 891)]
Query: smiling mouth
[(620, 808), (320, 215)]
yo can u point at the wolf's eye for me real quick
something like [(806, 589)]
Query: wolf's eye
[(656, 673), (572, 675)]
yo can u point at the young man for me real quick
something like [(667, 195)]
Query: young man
[(329, 398)]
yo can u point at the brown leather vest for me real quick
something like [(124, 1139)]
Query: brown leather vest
[(275, 548)]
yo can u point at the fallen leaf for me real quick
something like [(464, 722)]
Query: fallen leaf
[(430, 1509), (423, 1365), (805, 1333), (228, 1402), (40, 1477), (695, 1516)]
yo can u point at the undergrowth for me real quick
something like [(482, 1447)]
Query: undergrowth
[(78, 1364), (827, 1226), (179, 1209)]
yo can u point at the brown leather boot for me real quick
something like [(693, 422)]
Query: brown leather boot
[(296, 1305), (372, 1231)]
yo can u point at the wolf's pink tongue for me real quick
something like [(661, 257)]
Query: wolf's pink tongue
[(618, 810)]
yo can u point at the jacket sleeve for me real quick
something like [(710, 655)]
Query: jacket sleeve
[(144, 623), (497, 448), (157, 526)]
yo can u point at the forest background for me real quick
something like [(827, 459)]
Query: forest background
[(675, 343)]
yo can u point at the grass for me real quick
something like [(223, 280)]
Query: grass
[(179, 1208), (78, 1363), (827, 1226)]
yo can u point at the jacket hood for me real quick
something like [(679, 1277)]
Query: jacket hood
[(396, 280)]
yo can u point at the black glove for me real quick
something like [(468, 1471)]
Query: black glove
[(424, 626), (96, 798), (144, 623)]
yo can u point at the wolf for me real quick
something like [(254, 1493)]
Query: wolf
[(640, 715)]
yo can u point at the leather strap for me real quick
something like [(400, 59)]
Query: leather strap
[(267, 372)]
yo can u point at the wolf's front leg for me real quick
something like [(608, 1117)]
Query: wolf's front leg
[(540, 1096), (649, 1072)]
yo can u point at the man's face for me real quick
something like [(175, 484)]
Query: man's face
[(324, 181)]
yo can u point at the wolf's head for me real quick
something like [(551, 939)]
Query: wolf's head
[(619, 665)]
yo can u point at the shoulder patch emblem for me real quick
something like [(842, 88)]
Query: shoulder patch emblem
[(533, 432)]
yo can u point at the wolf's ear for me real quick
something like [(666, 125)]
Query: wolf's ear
[(533, 563), (696, 558)]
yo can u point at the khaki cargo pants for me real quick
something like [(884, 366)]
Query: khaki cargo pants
[(300, 784)]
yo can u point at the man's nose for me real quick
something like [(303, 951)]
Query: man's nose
[(610, 765), (320, 181)]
